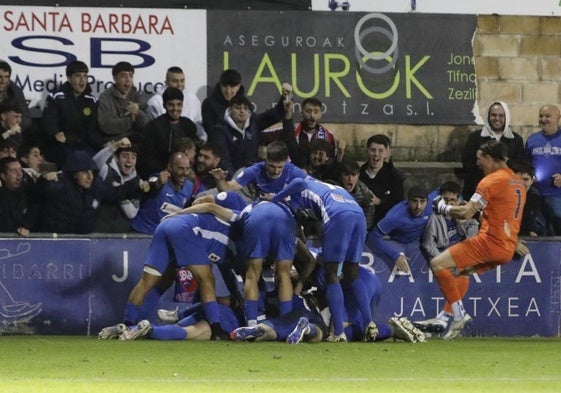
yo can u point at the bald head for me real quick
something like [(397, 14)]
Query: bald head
[(549, 119)]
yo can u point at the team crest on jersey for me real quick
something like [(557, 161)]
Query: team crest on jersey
[(95, 203), (213, 257), (221, 196), (337, 197)]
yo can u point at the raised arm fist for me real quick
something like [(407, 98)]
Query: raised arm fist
[(287, 90)]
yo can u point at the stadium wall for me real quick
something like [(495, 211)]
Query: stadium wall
[(76, 286)]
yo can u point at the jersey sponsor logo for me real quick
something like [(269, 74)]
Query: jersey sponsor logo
[(213, 257)]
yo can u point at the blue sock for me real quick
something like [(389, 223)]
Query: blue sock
[(188, 321), (150, 305), (336, 306), (168, 332), (285, 307), (211, 311), (361, 298), (250, 307), (131, 314), (384, 332)]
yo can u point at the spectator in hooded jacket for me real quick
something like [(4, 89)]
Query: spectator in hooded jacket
[(239, 133), (497, 127), (69, 118), (72, 198), (117, 165)]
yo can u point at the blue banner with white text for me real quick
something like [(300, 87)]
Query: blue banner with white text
[(78, 286)]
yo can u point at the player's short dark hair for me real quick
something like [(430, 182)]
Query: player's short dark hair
[(494, 149), (450, 186), (4, 66), (172, 93), (230, 77), (122, 66), (277, 151), (521, 166), (75, 67), (379, 139)]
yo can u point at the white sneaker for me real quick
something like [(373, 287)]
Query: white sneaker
[(371, 332), (419, 336), (140, 330), (456, 327), (433, 325), (341, 338), (400, 331), (168, 316), (110, 332)]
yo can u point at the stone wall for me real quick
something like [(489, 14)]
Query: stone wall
[(517, 60)]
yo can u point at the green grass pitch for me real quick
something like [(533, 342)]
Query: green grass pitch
[(85, 364)]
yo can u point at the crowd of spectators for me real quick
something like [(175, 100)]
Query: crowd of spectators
[(133, 138)]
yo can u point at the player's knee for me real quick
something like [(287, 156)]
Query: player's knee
[(435, 265)]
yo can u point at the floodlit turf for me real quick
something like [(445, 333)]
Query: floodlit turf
[(85, 364)]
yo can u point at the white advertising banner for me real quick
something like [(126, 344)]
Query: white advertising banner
[(38, 41)]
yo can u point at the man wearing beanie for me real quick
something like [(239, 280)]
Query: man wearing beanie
[(69, 117)]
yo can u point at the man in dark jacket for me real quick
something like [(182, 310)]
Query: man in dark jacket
[(10, 123), (214, 106), (381, 177), (72, 198), (18, 209), (157, 139), (239, 133), (69, 117), (10, 91)]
